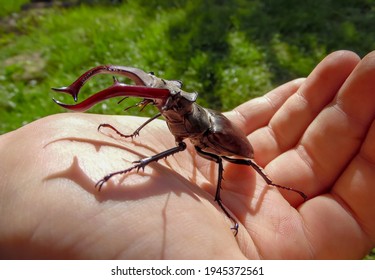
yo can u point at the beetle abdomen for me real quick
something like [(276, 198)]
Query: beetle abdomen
[(226, 139)]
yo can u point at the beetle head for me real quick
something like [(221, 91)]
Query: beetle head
[(174, 87)]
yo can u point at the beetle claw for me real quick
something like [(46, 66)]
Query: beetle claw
[(68, 90)]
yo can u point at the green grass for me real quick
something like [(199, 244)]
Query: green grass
[(228, 51), (8, 7), (371, 255)]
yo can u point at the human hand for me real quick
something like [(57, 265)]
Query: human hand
[(300, 132), (319, 139)]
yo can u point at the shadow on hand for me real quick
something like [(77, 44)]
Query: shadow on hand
[(161, 180)]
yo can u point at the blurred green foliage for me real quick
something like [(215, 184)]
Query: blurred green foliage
[(371, 255), (228, 51), (8, 7)]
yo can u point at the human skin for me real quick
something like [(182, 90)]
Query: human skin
[(315, 134)]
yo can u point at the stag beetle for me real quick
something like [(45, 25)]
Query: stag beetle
[(214, 136)]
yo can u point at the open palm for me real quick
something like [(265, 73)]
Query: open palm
[(313, 134)]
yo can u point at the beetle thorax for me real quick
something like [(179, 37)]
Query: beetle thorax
[(185, 119)]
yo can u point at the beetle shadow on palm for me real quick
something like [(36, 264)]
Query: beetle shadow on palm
[(162, 178)]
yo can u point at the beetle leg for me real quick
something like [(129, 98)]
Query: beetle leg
[(260, 171), (142, 163), (219, 161), (135, 133)]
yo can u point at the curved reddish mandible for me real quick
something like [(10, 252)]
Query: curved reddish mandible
[(144, 87)]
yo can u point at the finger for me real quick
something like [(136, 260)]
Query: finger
[(342, 225), (356, 99), (337, 133), (258, 111), (290, 122), (356, 188), (335, 136)]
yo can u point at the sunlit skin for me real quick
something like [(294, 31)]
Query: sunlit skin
[(314, 134)]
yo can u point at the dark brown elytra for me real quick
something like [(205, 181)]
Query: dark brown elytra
[(214, 136)]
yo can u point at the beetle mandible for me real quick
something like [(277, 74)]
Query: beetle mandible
[(213, 135)]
